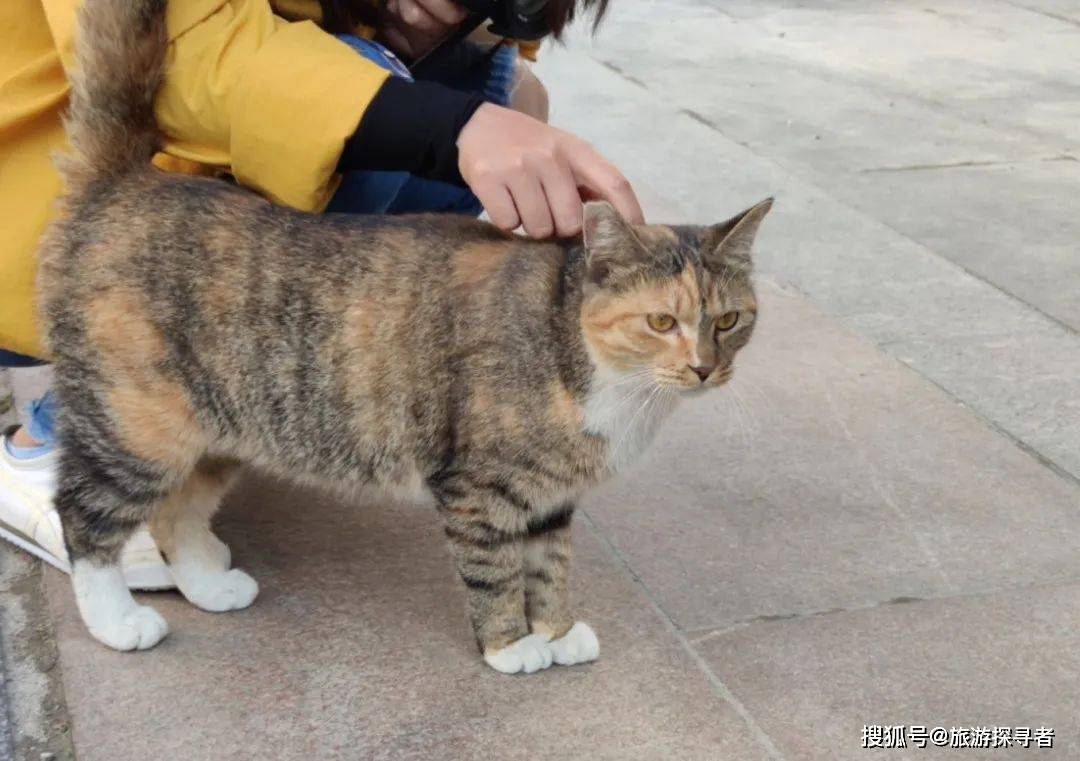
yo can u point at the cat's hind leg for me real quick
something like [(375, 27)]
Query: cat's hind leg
[(199, 561), (103, 495)]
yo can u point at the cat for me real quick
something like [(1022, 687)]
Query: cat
[(196, 327)]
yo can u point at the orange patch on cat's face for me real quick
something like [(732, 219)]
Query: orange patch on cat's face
[(620, 339)]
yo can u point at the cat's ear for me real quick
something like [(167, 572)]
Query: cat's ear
[(610, 242), (729, 243)]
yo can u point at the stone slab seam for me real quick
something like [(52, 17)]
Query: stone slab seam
[(697, 635), (721, 689)]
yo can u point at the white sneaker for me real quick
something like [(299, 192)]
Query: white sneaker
[(29, 520)]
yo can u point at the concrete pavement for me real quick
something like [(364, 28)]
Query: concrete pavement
[(877, 525)]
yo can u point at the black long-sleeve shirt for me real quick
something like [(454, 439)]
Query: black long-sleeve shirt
[(412, 127)]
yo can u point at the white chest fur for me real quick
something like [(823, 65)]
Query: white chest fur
[(627, 410)]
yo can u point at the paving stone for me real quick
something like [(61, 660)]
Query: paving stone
[(1015, 225), (1008, 659), (358, 648)]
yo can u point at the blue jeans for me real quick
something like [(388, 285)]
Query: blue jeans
[(363, 192), (41, 419), (41, 416)]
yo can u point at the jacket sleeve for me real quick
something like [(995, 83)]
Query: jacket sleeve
[(272, 100)]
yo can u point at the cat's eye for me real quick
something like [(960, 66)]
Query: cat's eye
[(660, 322), (727, 321)]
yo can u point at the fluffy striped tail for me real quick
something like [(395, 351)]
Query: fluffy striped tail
[(120, 48)]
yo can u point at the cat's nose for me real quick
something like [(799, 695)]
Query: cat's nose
[(703, 371)]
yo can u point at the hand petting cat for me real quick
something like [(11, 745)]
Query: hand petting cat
[(530, 173), (524, 172)]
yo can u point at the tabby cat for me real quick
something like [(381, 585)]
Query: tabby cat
[(196, 326)]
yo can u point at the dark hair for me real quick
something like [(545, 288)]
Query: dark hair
[(343, 16), (562, 12)]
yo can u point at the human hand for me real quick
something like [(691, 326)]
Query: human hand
[(529, 173), (412, 28)]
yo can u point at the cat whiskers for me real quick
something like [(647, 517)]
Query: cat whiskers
[(757, 394), (621, 380), (642, 380), (673, 380), (742, 413), (737, 416), (658, 392), (634, 394)]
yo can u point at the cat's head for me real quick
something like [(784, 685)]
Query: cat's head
[(668, 305)]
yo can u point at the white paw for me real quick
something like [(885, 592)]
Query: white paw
[(218, 591), (139, 629), (528, 654), (579, 645)]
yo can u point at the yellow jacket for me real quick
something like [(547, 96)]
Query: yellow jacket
[(247, 91)]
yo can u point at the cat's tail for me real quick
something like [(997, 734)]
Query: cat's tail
[(120, 48)]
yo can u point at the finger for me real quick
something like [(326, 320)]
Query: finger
[(498, 204), (444, 10), (413, 14), (603, 180), (532, 206), (563, 199)]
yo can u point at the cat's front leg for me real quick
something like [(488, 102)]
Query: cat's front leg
[(547, 590), (490, 560)]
